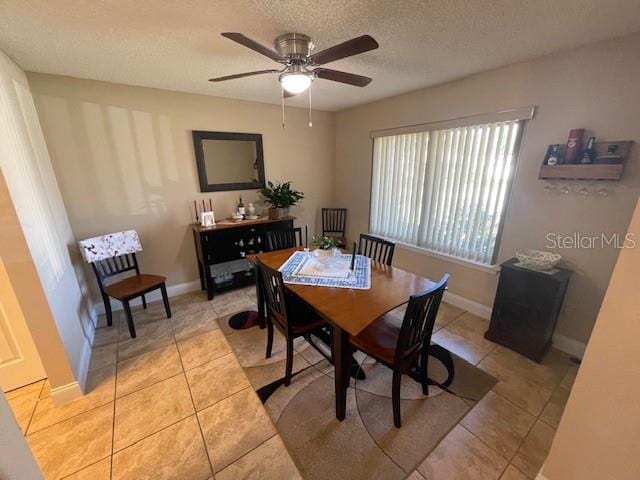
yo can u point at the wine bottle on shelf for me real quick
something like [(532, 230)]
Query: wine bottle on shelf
[(241, 209), (574, 145), (553, 155), (589, 155)]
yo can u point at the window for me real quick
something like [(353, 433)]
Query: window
[(444, 189)]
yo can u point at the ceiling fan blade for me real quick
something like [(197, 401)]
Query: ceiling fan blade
[(346, 49), (240, 75), (253, 45), (342, 77)]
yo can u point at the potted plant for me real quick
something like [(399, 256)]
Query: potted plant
[(326, 245), (281, 197)]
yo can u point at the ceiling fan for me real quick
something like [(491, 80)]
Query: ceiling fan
[(294, 51)]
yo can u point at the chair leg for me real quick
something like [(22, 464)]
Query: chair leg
[(395, 397), (127, 311), (289, 367), (107, 309), (269, 339), (144, 302), (424, 364), (165, 299)]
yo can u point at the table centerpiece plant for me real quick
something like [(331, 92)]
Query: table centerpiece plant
[(325, 245), (281, 197)]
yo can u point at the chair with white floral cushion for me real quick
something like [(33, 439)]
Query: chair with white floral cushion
[(114, 254)]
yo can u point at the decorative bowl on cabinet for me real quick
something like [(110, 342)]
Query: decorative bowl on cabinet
[(537, 259)]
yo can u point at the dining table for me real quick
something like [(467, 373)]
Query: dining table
[(349, 311)]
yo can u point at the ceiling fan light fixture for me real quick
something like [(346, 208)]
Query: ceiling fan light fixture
[(295, 82)]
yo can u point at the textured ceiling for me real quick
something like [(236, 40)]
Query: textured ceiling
[(176, 45)]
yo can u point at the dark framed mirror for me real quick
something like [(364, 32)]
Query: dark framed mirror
[(229, 161)]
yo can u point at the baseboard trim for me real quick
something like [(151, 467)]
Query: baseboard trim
[(471, 306), (172, 291), (66, 393), (90, 333), (569, 345), (560, 342)]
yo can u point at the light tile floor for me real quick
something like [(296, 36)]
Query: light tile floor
[(175, 403), (171, 404)]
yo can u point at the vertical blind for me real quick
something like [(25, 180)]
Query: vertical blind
[(444, 190)]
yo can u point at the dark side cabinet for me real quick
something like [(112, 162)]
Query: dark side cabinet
[(526, 308), (224, 247)]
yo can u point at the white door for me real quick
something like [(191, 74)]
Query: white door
[(19, 360)]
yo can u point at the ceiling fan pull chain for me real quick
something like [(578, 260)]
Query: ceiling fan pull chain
[(282, 102), (310, 122)]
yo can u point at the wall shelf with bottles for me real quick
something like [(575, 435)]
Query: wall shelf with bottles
[(607, 163)]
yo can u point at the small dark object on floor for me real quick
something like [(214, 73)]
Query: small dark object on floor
[(242, 320)]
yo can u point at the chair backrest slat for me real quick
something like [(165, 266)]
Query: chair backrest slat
[(376, 248), (298, 236), (334, 221), (419, 320), (108, 267), (281, 239), (274, 294)]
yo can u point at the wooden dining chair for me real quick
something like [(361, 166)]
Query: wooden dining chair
[(115, 254), (290, 315), (334, 224), (298, 236), (280, 239), (399, 345), (376, 248)]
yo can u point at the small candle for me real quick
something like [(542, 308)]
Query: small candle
[(195, 206), (353, 256), (204, 206), (210, 205), (306, 236)]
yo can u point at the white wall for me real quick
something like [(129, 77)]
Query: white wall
[(34, 191), (599, 434), (124, 158), (596, 87)]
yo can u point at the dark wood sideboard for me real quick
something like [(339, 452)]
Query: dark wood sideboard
[(526, 308), (221, 251)]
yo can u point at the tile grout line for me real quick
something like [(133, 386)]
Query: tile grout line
[(153, 433), (536, 419), (255, 448), (115, 366), (115, 394), (105, 403), (251, 387), (508, 462), (25, 393), (86, 466), (33, 411), (193, 403)]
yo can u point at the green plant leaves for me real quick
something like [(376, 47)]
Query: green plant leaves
[(281, 195)]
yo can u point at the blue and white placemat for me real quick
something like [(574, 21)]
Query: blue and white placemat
[(331, 271)]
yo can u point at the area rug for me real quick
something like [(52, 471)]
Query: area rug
[(366, 445)]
